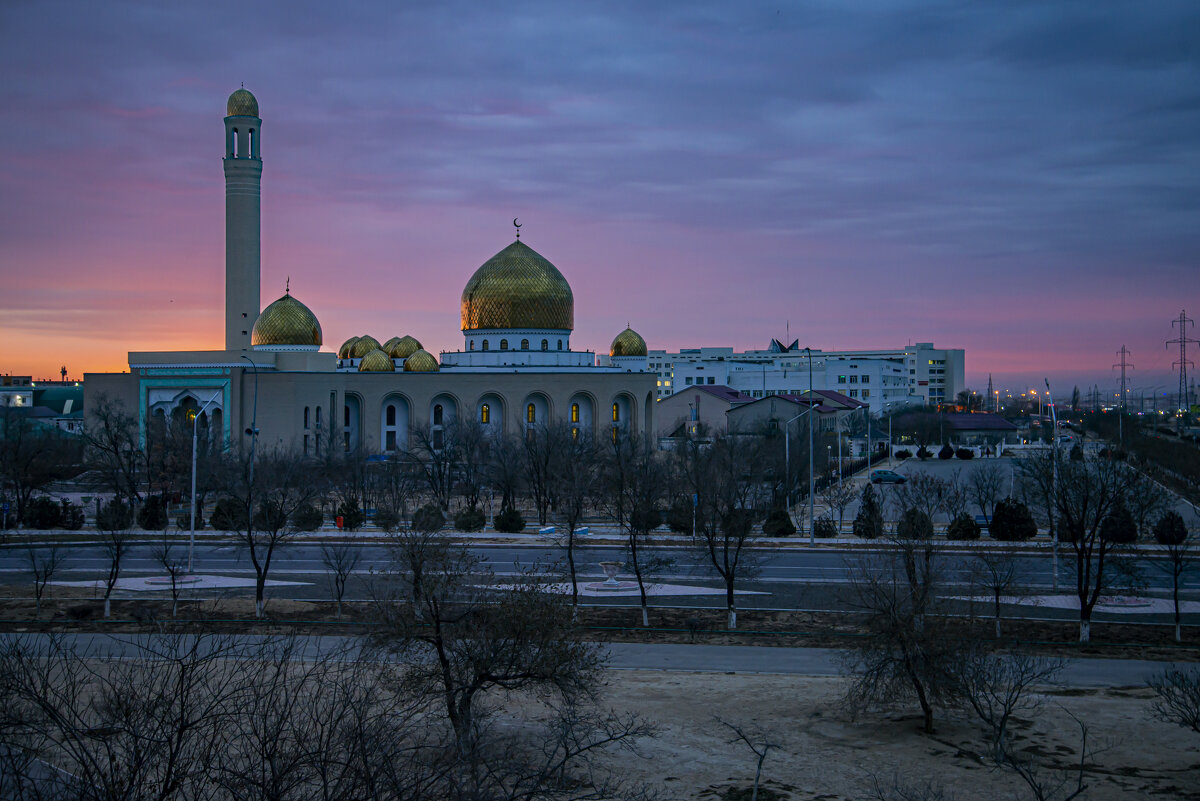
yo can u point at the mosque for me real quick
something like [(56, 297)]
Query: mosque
[(517, 369)]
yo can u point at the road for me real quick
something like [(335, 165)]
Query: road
[(790, 577), (655, 656)]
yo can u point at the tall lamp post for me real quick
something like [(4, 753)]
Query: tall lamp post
[(787, 458), (195, 423), (812, 531), (252, 432), (1054, 491)]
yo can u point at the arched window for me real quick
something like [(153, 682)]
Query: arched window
[(472, 344), (575, 433), (437, 414), (524, 344), (485, 414), (233, 146), (545, 345), (250, 150), (391, 415), (318, 417), (616, 413), (485, 344), (574, 412), (530, 414), (504, 344), (560, 344), (306, 417)]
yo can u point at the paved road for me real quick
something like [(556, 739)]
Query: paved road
[(654, 656)]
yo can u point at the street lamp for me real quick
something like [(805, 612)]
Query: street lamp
[(252, 431), (812, 532), (787, 459), (195, 424)]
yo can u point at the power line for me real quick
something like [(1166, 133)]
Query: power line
[(1183, 341)]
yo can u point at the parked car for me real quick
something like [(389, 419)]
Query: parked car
[(886, 477)]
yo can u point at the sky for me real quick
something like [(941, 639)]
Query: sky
[(1021, 180)]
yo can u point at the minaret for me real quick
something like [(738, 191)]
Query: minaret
[(243, 182)]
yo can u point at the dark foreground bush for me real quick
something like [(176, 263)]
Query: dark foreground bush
[(43, 513), (428, 519), (307, 518), (1012, 522), (509, 521), (470, 519), (903, 454), (1170, 529), (351, 514), (965, 453), (778, 523), (72, 516), (153, 514), (183, 520), (946, 452), (114, 516), (963, 527), (825, 529), (388, 519), (228, 515)]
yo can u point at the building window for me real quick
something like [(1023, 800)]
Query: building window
[(390, 441), (391, 415), (437, 415), (866, 393), (616, 413), (306, 444), (306, 422), (485, 344), (866, 379), (688, 381), (560, 344), (472, 347), (318, 417), (854, 393), (524, 344), (530, 414), (545, 344), (574, 412), (504, 344), (853, 379), (841, 379), (485, 414), (712, 379), (575, 432)]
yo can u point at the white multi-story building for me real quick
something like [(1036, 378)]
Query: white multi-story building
[(884, 379)]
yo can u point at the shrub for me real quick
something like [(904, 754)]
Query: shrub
[(470, 519), (228, 515), (914, 525), (679, 516), (645, 518), (965, 453), (963, 527), (1119, 526), (1076, 453), (903, 454), (946, 452), (428, 519), (778, 523), (114, 516), (1170, 529), (351, 514), (388, 519), (509, 521), (269, 517), (153, 514), (923, 452), (184, 519), (1012, 522), (307, 518), (825, 529), (43, 513), (72, 516), (868, 523)]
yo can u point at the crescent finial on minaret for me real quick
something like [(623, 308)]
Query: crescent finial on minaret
[(517, 225)]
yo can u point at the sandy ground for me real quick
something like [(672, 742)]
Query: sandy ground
[(823, 755)]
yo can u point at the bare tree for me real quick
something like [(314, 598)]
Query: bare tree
[(43, 564), (1000, 574), (168, 557), (469, 639), (1178, 700), (434, 454), (32, 455), (573, 478), (274, 486), (115, 542), (837, 496), (985, 487), (340, 559), (1171, 531), (1085, 493), (540, 455), (759, 742), (633, 482), (923, 491), (114, 451), (724, 479), (956, 497)]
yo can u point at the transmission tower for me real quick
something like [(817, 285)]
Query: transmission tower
[(993, 399), (1183, 341), (1124, 364)]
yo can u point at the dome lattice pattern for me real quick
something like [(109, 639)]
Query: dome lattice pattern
[(241, 104), (347, 348), (628, 343), (402, 347), (376, 362), (421, 361), (287, 321), (518, 288), (364, 345)]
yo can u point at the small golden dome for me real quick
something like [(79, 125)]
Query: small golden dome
[(518, 288), (628, 343), (386, 347), (365, 344), (347, 348), (402, 347), (241, 104), (376, 362), (421, 361), (287, 321)]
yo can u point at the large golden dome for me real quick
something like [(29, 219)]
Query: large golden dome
[(287, 321), (241, 104), (402, 347), (347, 348), (518, 288), (365, 344), (628, 343), (421, 361), (376, 362)]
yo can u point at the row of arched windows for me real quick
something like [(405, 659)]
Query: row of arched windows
[(486, 345)]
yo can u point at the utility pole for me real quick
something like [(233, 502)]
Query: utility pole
[(1183, 340), (1124, 364)]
